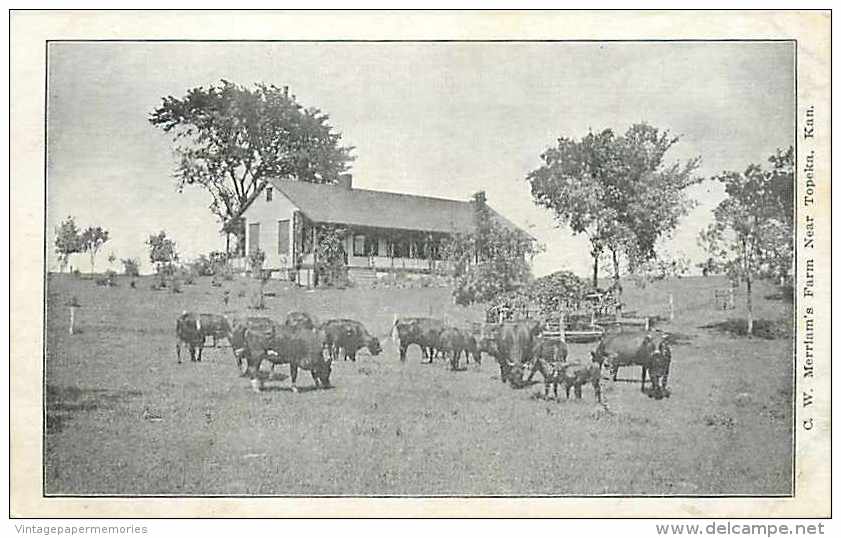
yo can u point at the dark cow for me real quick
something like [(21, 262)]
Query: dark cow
[(193, 329), (301, 320), (239, 347), (425, 332), (577, 374), (299, 348), (348, 336), (570, 375), (511, 343), (552, 351), (453, 341), (650, 351)]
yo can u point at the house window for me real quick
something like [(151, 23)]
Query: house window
[(359, 245), (253, 237), (268, 194), (283, 236)]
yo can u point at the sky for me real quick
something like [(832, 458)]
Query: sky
[(437, 119)]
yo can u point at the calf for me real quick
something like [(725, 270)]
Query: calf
[(576, 374), (193, 329), (425, 332), (299, 348), (348, 336)]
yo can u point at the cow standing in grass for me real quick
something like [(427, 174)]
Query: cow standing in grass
[(650, 351), (346, 337), (454, 341), (425, 332), (193, 329), (299, 348)]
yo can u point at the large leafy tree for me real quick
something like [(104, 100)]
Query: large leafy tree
[(92, 240), (753, 229), (489, 261), (617, 190), (68, 241), (229, 139)]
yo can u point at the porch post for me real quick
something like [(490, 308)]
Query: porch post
[(314, 255)]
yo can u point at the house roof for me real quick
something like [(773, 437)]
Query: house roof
[(334, 204)]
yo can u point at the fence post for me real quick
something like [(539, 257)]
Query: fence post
[(647, 320), (732, 299), (671, 307), (72, 320)]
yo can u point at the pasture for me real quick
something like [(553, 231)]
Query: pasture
[(123, 418)]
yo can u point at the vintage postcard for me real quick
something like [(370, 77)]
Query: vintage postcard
[(433, 264)]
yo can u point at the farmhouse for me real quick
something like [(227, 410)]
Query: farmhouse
[(381, 231)]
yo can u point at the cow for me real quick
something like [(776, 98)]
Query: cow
[(300, 320), (425, 332), (577, 374), (299, 348), (569, 374), (511, 343), (652, 352), (348, 336), (454, 341), (239, 347), (193, 329), (551, 351)]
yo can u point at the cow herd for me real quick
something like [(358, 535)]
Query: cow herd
[(518, 347)]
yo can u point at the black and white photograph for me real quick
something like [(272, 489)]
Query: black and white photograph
[(427, 268)]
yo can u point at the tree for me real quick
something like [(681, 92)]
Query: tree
[(489, 261), (617, 190), (230, 139), (752, 233), (92, 240), (162, 251), (68, 241), (331, 257)]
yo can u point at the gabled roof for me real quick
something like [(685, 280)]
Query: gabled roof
[(335, 204)]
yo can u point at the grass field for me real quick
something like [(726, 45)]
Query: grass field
[(388, 428)]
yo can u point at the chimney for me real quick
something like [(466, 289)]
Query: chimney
[(346, 181)]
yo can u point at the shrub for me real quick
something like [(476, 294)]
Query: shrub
[(203, 266), (131, 266)]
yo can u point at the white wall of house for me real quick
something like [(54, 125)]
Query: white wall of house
[(269, 215)]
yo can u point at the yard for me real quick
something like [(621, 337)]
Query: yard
[(122, 417)]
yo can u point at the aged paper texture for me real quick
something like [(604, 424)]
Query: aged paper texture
[(117, 123)]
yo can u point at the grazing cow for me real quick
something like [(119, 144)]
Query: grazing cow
[(239, 347), (348, 336), (300, 320), (425, 332), (512, 344), (651, 352), (192, 329), (299, 348)]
